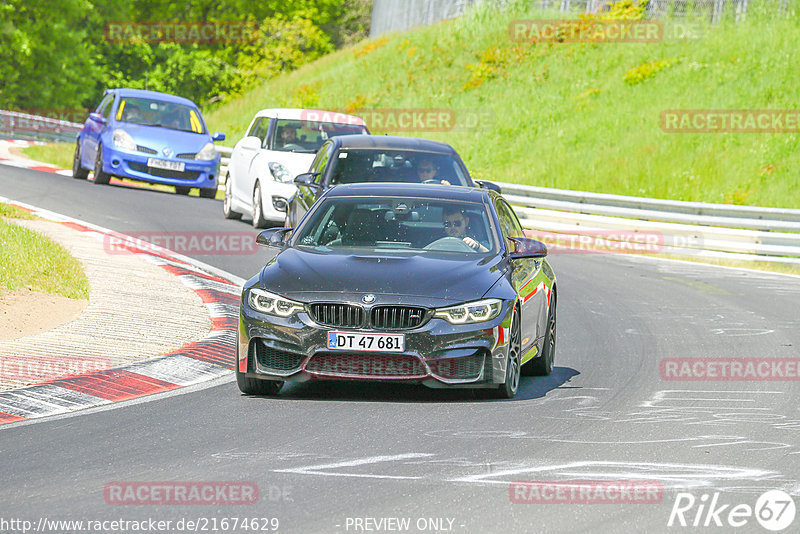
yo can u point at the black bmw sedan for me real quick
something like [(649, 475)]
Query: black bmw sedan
[(400, 282)]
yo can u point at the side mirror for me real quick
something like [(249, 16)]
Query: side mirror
[(488, 185), (96, 117), (251, 142), (218, 136), (307, 179), (527, 248), (273, 237)]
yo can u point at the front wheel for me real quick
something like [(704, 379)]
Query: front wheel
[(100, 176), (508, 389), (258, 211), (543, 365), (78, 172), (255, 386)]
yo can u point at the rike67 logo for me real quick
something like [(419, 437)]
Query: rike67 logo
[(774, 510)]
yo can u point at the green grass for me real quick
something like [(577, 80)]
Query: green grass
[(30, 260), (56, 154), (562, 115), (13, 212)]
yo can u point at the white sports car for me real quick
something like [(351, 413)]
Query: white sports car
[(279, 145)]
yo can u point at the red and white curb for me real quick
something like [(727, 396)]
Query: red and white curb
[(15, 161), (210, 358)]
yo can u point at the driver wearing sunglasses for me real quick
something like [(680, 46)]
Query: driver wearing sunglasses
[(427, 170), (455, 225)]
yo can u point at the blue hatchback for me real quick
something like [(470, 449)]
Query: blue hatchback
[(148, 136)]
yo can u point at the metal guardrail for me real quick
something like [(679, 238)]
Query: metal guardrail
[(689, 228), (23, 126)]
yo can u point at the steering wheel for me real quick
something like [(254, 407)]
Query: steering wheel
[(432, 181), (449, 244), (293, 146)]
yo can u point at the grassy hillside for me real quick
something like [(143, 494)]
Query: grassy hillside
[(563, 115)]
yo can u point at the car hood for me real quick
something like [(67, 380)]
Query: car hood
[(177, 141), (441, 278)]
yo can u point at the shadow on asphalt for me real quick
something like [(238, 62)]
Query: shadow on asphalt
[(529, 388)]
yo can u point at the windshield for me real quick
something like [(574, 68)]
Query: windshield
[(149, 112), (375, 165), (403, 224), (308, 136)]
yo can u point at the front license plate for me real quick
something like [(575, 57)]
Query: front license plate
[(164, 164), (366, 342)]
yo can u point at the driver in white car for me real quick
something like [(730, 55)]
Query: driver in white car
[(288, 135), (455, 225)]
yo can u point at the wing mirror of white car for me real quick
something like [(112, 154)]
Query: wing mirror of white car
[(251, 142), (273, 237), (527, 248), (217, 136)]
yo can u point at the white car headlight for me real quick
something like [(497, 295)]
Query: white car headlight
[(208, 153), (123, 139), (272, 304), (471, 312), (279, 172)]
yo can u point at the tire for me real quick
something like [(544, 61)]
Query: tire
[(182, 190), (100, 176), (78, 172), (258, 213), (543, 365), (508, 389), (208, 192), (255, 386), (228, 199)]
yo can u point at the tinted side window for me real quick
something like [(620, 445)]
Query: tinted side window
[(509, 225), (259, 128), (321, 161)]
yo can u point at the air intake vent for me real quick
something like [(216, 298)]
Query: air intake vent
[(397, 317), (339, 315)]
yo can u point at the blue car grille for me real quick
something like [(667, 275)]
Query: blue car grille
[(146, 150), (185, 156), (164, 173)]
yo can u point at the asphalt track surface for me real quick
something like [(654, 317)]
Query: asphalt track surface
[(324, 454)]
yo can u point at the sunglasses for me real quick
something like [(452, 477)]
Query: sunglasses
[(458, 223)]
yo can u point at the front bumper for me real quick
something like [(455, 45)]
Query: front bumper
[(437, 354), (133, 165)]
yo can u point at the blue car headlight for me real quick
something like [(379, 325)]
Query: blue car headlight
[(208, 153), (122, 139), (476, 311), (272, 304)]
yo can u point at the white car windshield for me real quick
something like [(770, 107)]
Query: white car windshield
[(308, 136)]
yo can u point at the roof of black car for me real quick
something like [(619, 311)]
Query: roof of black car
[(392, 142), (394, 189)]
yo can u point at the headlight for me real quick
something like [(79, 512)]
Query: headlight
[(122, 139), (471, 312), (272, 304), (279, 172), (207, 154)]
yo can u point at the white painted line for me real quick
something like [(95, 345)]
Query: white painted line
[(370, 460), (179, 370)]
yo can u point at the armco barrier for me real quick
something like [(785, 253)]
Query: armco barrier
[(23, 126), (688, 228)]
